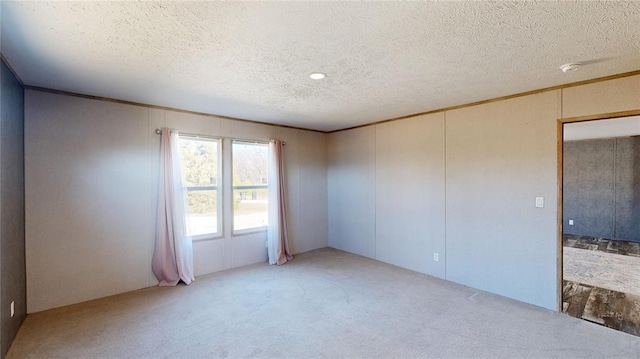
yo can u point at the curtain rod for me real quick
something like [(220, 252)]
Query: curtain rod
[(158, 131)]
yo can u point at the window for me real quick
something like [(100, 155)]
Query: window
[(201, 178), (250, 190)]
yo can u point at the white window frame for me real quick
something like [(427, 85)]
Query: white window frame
[(218, 188)]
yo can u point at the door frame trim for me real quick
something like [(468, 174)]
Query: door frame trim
[(560, 124)]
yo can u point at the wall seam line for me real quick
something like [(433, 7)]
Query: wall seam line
[(150, 253), (444, 153), (615, 187), (298, 225), (562, 103), (375, 192)]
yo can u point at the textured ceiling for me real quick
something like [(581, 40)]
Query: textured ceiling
[(252, 60)]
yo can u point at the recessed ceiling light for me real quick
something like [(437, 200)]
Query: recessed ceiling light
[(571, 67), (317, 75)]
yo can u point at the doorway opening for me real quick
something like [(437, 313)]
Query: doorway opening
[(601, 222)]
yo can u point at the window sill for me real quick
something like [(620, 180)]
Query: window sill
[(206, 237), (244, 232)]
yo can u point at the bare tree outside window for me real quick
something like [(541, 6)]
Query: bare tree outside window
[(201, 171)]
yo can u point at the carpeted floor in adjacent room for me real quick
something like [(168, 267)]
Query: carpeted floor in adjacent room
[(325, 303)]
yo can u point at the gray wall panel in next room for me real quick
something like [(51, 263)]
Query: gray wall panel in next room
[(602, 188), (627, 219), (12, 245), (589, 187)]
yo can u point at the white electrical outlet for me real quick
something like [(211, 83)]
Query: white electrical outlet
[(13, 308), (436, 257), (571, 222)]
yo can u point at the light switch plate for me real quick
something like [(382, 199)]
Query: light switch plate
[(571, 222), (539, 202)]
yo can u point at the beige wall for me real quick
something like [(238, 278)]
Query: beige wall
[(351, 190), (500, 157), (602, 97), (410, 193), (386, 192), (385, 189), (91, 182)]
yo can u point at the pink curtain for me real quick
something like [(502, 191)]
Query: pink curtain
[(173, 255), (277, 244)]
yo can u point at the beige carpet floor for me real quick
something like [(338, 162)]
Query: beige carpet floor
[(325, 303)]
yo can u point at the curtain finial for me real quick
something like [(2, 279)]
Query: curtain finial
[(273, 139)]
